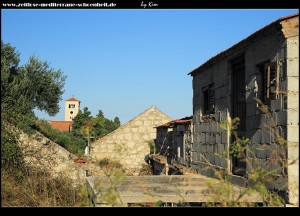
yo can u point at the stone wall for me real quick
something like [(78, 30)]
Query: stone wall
[(129, 143), (278, 43), (44, 154), (292, 111), (164, 140), (210, 140), (182, 143)]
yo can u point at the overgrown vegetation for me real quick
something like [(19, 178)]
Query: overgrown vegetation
[(108, 165), (146, 170), (85, 129), (24, 88), (69, 141), (113, 172), (38, 188), (258, 177), (86, 126)]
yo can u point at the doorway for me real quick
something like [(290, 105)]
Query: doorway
[(238, 101)]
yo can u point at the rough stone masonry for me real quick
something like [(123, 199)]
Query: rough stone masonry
[(129, 144)]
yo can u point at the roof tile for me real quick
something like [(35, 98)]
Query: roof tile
[(61, 125)]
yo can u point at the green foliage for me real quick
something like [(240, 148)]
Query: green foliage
[(103, 126), (238, 146), (114, 173), (81, 118), (23, 88), (85, 125), (67, 140), (117, 121), (159, 203), (100, 114), (258, 177), (152, 146), (33, 85), (108, 192), (11, 155)]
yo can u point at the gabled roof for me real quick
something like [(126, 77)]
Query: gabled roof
[(241, 43), (152, 108), (61, 125), (186, 120), (72, 99)]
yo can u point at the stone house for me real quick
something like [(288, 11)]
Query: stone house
[(257, 80), (129, 144)]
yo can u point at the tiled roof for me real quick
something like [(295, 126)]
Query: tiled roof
[(247, 39), (61, 125), (72, 99), (80, 160), (186, 120)]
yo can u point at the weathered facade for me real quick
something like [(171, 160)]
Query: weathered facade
[(174, 140), (264, 66), (129, 144)]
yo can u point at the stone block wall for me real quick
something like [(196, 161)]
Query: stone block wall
[(278, 42), (210, 141), (129, 143), (292, 127), (163, 141)]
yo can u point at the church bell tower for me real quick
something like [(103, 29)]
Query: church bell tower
[(72, 106)]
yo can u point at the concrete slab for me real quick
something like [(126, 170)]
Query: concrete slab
[(150, 189)]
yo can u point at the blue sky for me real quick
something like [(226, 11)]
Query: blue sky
[(123, 61)]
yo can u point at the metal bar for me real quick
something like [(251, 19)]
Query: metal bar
[(277, 79), (268, 80)]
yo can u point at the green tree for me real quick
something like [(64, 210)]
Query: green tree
[(100, 114), (33, 85), (117, 121), (84, 125), (24, 88), (81, 118)]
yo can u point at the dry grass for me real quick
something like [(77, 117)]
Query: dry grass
[(36, 188)]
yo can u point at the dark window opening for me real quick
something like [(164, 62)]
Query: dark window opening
[(208, 99), (271, 80), (71, 105)]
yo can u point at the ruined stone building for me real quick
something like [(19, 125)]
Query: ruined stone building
[(129, 144), (256, 80), (174, 139), (255, 83), (173, 146)]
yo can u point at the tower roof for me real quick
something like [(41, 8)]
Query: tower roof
[(72, 99)]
